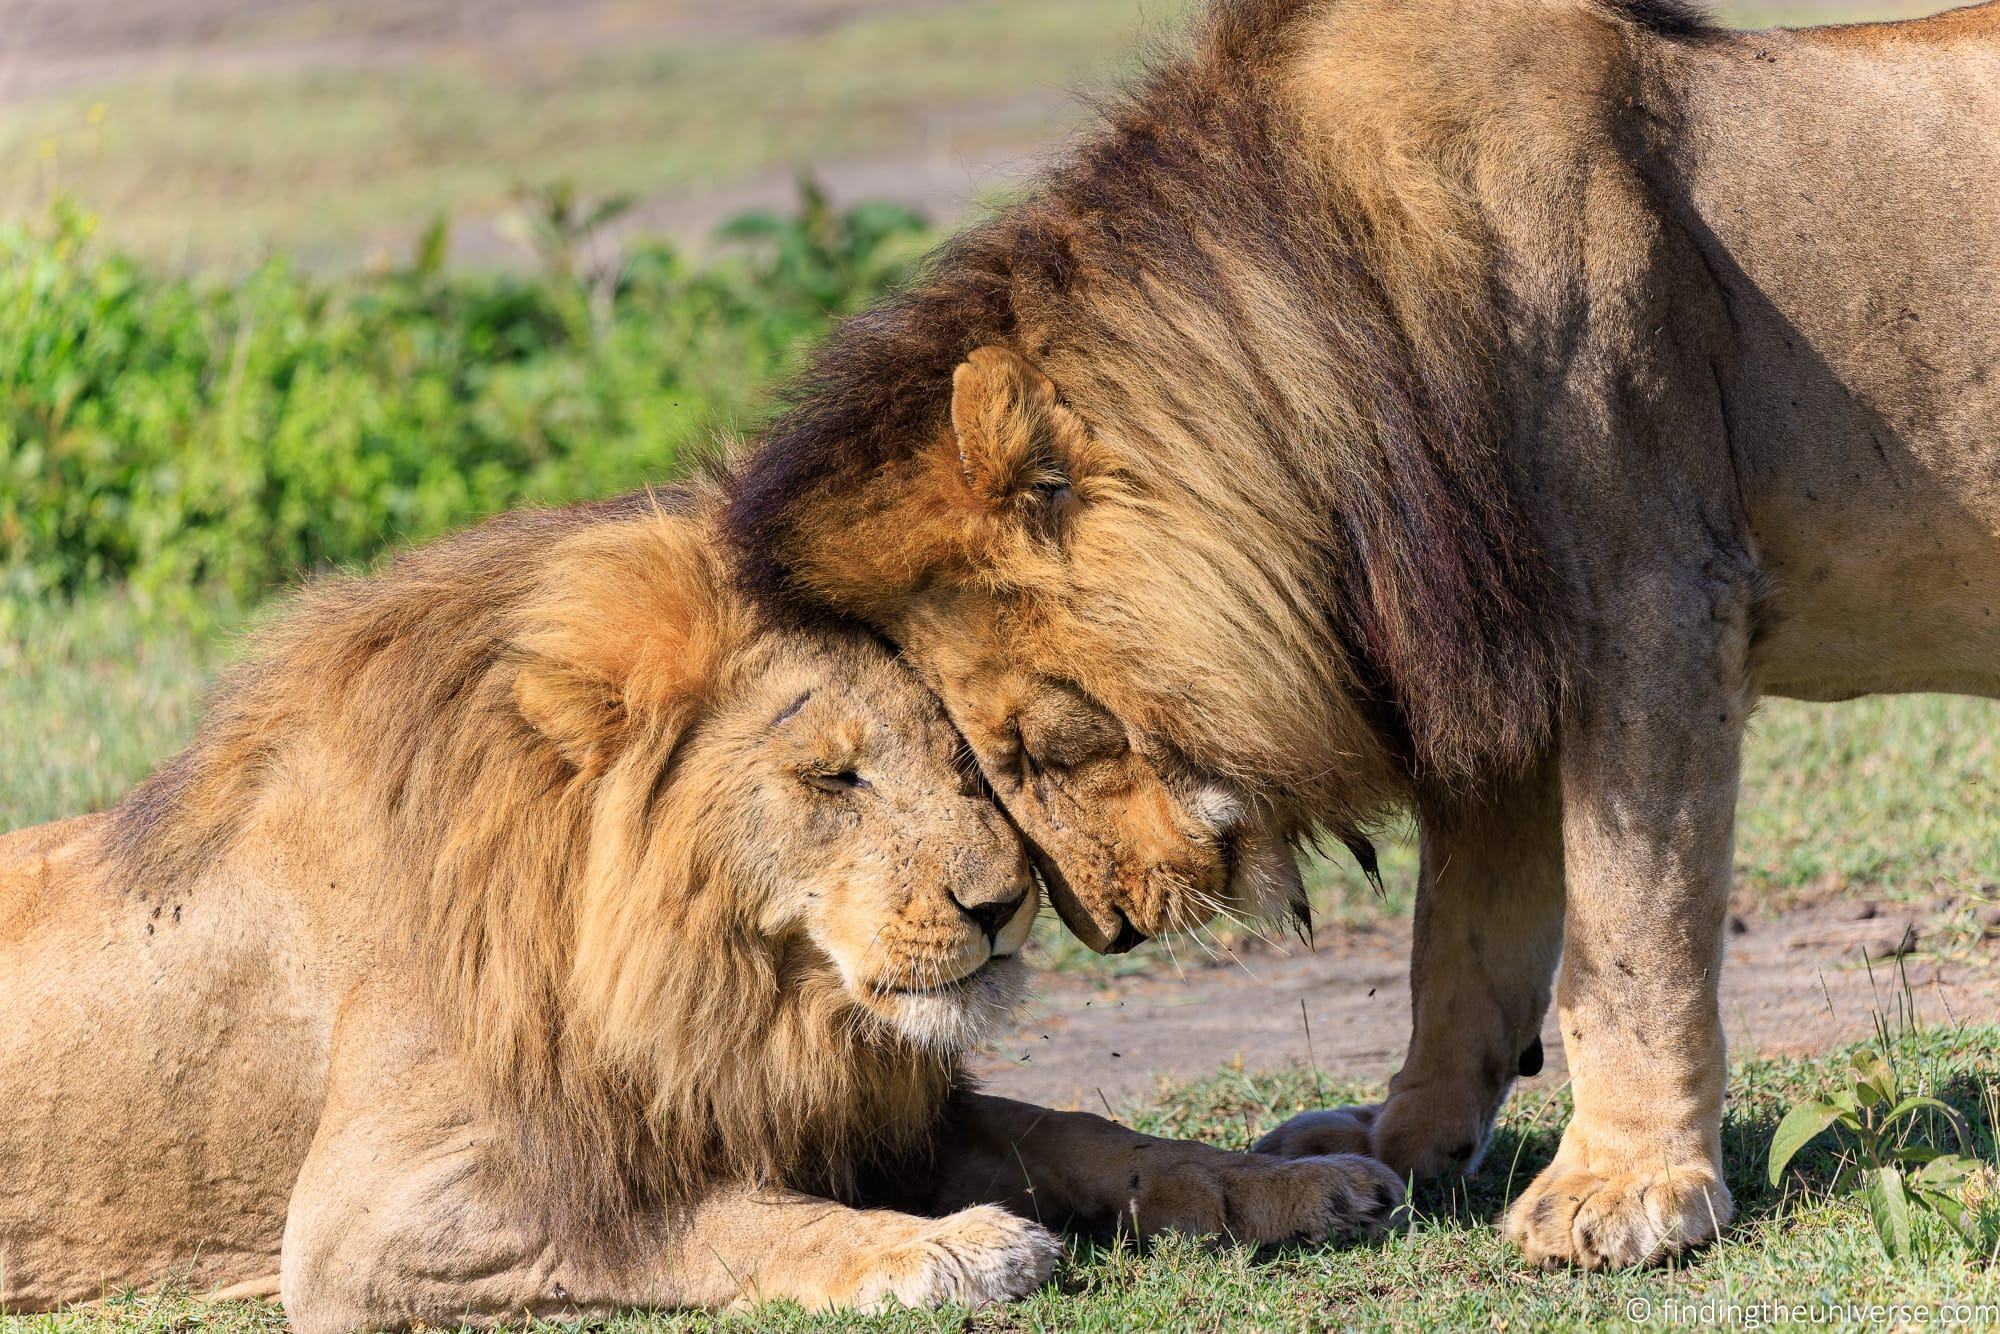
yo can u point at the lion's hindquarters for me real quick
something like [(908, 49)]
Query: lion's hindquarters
[(160, 1078)]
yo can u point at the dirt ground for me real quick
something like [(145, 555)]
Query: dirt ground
[(1794, 984)]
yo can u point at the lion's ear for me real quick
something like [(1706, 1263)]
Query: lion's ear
[(630, 634), (1015, 440)]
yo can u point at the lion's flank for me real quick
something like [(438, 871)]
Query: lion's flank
[(487, 730), (1284, 334)]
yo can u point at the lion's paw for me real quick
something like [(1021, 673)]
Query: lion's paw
[(1316, 1134), (1262, 1200), (1575, 1216), (1415, 1136), (973, 1258)]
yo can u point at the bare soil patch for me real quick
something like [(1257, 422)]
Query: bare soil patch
[(1795, 983)]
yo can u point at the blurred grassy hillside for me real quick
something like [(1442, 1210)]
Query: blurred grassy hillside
[(218, 132)]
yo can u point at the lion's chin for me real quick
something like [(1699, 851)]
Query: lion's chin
[(959, 1016), (1258, 858)]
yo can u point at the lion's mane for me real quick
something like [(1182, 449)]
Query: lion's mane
[(586, 961), (1302, 330)]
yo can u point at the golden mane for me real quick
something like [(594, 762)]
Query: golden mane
[(560, 906), (1290, 339)]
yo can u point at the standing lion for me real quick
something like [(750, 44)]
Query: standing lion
[(1466, 408), (530, 931)]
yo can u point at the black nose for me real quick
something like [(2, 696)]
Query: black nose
[(991, 916), (1128, 936)]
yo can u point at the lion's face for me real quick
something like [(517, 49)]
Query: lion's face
[(860, 833), (1065, 626), (1132, 838), (798, 792)]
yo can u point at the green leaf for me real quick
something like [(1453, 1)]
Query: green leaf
[(1875, 1075), (1801, 1124), (1915, 1102), (1889, 1210), (1943, 1171), (1944, 1206)]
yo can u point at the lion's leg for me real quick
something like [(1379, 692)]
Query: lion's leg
[(1487, 935), (1072, 1168), (411, 1210), (1650, 767)]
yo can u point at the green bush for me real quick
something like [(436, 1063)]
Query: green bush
[(165, 432)]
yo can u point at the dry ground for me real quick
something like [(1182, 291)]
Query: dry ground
[(1798, 982)]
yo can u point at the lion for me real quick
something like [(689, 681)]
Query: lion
[(1461, 410), (533, 929)]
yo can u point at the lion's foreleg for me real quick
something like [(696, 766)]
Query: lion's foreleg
[(1650, 770), (413, 1209), (394, 1232), (1072, 1168), (1488, 933)]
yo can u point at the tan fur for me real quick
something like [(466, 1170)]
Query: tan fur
[(1466, 408), (532, 928)]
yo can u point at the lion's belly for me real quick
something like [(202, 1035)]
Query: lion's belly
[(1847, 200), (1879, 594), (160, 1079)]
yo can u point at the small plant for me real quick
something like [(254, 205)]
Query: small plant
[(1898, 1177), (173, 433)]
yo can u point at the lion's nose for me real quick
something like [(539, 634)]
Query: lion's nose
[(993, 914)]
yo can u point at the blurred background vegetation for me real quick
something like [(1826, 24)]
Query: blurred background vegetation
[(284, 283)]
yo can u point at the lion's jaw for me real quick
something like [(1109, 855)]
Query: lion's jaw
[(1132, 839), (1217, 853)]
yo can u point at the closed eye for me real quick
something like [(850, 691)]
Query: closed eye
[(840, 780)]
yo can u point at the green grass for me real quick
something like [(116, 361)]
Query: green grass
[(95, 695), (1450, 1271)]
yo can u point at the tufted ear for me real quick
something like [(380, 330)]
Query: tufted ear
[(1016, 442), (633, 627)]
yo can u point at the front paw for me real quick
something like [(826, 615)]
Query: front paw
[(974, 1257), (1315, 1134), (1415, 1136), (1261, 1200), (1599, 1219)]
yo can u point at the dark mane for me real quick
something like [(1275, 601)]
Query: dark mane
[(1672, 18), (1195, 195), (879, 386)]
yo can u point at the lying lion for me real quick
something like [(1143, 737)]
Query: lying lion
[(530, 930)]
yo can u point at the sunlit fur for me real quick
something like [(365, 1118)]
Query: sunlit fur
[(562, 772), (1295, 565)]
